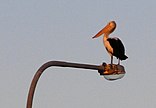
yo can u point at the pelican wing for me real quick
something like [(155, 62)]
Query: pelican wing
[(118, 48)]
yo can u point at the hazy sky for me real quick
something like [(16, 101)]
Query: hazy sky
[(36, 31)]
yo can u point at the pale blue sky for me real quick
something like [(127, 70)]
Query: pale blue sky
[(36, 31)]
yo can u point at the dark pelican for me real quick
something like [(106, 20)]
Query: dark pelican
[(114, 45)]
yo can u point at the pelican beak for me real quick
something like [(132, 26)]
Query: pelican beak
[(109, 28), (103, 31)]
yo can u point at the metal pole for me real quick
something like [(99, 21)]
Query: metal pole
[(60, 64)]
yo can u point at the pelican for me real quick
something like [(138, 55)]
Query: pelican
[(114, 46)]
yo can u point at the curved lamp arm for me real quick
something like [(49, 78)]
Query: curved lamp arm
[(60, 64)]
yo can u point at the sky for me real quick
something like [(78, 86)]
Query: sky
[(34, 32)]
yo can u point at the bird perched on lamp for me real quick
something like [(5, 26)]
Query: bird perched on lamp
[(114, 46)]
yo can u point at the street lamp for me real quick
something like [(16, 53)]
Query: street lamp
[(110, 72)]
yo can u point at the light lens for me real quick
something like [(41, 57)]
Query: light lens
[(114, 76)]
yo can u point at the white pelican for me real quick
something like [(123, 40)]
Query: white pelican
[(114, 45)]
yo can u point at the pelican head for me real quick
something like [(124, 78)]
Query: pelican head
[(108, 29)]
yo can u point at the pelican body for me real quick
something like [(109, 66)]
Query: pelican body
[(114, 46)]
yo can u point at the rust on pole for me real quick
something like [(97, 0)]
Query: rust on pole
[(109, 72)]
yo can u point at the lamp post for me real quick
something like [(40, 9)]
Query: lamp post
[(108, 71)]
